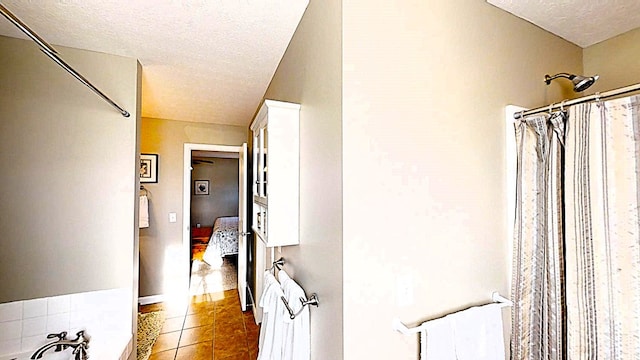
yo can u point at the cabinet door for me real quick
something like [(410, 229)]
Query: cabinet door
[(276, 149)]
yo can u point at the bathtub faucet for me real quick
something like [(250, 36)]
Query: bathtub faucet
[(79, 345)]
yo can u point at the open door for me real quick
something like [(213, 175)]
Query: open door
[(242, 227)]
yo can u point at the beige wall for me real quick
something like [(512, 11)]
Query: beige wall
[(425, 86), (615, 60), (310, 74), (68, 165), (223, 191), (161, 250)]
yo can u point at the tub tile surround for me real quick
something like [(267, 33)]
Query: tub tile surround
[(105, 315)]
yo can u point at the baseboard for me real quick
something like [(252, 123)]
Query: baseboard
[(146, 300)]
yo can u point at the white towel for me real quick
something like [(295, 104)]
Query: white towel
[(440, 344), (478, 333), (283, 277), (297, 334), (143, 212), (271, 329)]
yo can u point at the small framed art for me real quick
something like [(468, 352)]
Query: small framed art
[(201, 187), (148, 168)]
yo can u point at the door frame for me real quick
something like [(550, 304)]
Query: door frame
[(186, 199)]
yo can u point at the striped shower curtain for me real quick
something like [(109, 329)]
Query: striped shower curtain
[(576, 275), (538, 279)]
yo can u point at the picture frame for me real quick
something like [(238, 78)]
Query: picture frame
[(148, 168), (201, 187)]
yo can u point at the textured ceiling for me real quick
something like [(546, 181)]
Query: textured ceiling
[(203, 60), (582, 22)]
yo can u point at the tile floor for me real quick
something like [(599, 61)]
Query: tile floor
[(211, 327)]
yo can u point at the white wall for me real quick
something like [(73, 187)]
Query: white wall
[(424, 90), (69, 172)]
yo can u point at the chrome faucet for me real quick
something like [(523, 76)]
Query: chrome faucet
[(80, 345)]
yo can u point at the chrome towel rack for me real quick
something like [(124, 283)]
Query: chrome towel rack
[(397, 325), (400, 327), (276, 265), (313, 299)]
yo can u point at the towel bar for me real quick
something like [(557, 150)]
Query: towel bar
[(397, 325), (276, 265), (313, 300), (422, 329)]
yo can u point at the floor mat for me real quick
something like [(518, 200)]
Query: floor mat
[(149, 326)]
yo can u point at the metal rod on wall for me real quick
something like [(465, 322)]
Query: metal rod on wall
[(596, 97), (53, 55)]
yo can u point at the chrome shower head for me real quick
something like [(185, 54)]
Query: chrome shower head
[(580, 83)]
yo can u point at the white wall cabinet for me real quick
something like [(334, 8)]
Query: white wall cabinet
[(276, 173)]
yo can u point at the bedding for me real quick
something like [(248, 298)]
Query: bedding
[(224, 239)]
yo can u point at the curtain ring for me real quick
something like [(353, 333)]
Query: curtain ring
[(598, 97), (522, 115), (550, 108), (562, 105)]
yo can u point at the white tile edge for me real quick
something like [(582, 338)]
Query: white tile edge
[(127, 349)]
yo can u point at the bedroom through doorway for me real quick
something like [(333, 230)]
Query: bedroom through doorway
[(215, 227), (214, 221)]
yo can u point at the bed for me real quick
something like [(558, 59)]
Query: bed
[(224, 239)]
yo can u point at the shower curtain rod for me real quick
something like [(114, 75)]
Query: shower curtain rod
[(53, 54), (596, 96)]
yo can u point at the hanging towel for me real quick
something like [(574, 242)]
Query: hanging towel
[(296, 337), (440, 343), (478, 333), (143, 213), (271, 329), (283, 277)]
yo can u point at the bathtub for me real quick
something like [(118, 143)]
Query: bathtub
[(97, 351)]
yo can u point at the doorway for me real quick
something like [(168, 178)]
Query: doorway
[(199, 184)]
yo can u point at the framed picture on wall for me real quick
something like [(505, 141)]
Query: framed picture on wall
[(148, 168), (201, 187)]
